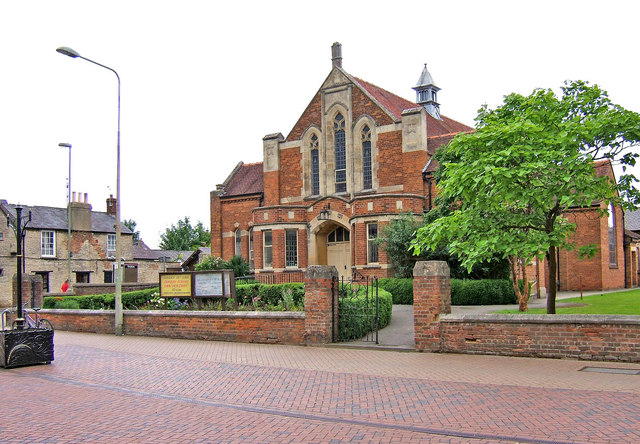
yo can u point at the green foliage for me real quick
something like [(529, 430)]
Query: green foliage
[(131, 300), (396, 239), (66, 304), (401, 289), (131, 224), (356, 327), (263, 295), (619, 303), (183, 236), (508, 185), (482, 292), (238, 264)]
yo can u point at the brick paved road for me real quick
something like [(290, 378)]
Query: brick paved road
[(109, 389)]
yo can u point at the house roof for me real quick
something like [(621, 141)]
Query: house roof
[(174, 255), (142, 251), (245, 179), (53, 218), (632, 220)]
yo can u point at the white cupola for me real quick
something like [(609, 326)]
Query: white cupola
[(427, 93)]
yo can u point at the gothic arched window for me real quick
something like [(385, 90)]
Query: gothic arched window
[(315, 166), (340, 154), (367, 181)]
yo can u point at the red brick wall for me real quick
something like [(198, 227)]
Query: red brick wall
[(390, 170), (290, 173), (271, 188), (363, 105), (412, 164), (233, 211), (311, 115), (260, 327), (608, 338)]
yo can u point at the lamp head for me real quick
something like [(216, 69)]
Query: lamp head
[(65, 145), (68, 52)]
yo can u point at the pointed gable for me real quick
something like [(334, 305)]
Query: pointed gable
[(245, 179)]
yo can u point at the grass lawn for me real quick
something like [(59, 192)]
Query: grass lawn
[(621, 303)]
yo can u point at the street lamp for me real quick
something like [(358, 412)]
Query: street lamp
[(68, 145), (118, 269)]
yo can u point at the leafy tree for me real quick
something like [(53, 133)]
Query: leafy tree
[(396, 237), (131, 224), (531, 159), (183, 236)]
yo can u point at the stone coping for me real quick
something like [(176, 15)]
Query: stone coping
[(542, 319), (184, 313)]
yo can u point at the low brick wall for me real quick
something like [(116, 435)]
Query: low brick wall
[(589, 337), (236, 326)]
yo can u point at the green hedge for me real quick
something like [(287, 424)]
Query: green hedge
[(482, 292), (401, 289), (269, 294), (131, 300), (463, 292), (355, 327)]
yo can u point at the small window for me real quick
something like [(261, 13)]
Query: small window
[(47, 244), (108, 276), (1, 236), (367, 182), (251, 257), (111, 245), (291, 248), (238, 243), (315, 166), (340, 154), (372, 247), (267, 249), (613, 243), (82, 277), (340, 234), (1, 271), (45, 280)]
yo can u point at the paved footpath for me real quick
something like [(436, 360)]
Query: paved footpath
[(131, 389)]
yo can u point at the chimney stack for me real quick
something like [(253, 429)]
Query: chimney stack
[(336, 55), (111, 206), (80, 212)]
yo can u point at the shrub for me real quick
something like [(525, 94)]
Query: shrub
[(401, 289), (131, 300), (355, 327), (260, 295), (67, 304), (482, 292)]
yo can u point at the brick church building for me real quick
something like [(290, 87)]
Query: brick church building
[(355, 159)]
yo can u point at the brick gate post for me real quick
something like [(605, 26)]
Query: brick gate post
[(319, 304), (431, 297)]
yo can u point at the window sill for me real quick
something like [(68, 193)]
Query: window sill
[(372, 266)]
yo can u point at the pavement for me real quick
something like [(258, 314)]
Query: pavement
[(109, 389)]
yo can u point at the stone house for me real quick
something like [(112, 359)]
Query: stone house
[(355, 159), (46, 246)]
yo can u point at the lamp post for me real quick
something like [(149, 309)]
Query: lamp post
[(18, 225), (68, 145), (118, 268)]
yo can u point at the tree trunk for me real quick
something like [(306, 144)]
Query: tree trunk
[(553, 282), (523, 296)]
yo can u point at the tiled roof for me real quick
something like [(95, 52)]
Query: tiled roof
[(52, 218), (174, 255), (392, 103), (632, 220), (142, 251), (246, 180)]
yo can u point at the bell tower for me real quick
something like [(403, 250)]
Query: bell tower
[(427, 93)]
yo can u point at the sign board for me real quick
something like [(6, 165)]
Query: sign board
[(175, 285), (198, 284)]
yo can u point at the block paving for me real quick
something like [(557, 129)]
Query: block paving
[(103, 388)]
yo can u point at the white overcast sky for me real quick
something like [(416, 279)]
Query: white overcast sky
[(204, 81)]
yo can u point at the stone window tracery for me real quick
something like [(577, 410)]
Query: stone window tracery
[(367, 177), (340, 153)]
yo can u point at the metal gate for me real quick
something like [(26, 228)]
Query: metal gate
[(356, 317)]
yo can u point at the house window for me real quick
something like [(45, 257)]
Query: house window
[(47, 244), (291, 248), (1, 236), (111, 245), (82, 277), (251, 257), (340, 154), (267, 249), (45, 280), (238, 238), (367, 182), (315, 166), (108, 276), (372, 247), (613, 244), (340, 234)]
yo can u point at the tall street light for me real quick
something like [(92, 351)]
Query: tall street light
[(68, 145), (118, 268)]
